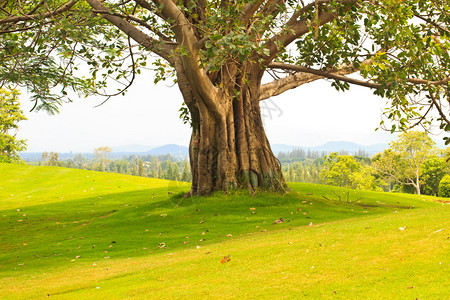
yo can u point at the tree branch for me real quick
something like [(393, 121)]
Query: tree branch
[(185, 35), (250, 9), (140, 22), (158, 47), (439, 108), (62, 9), (282, 85), (337, 75), (295, 28)]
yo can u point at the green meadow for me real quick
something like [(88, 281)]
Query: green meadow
[(75, 234)]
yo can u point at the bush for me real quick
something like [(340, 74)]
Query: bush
[(444, 186)]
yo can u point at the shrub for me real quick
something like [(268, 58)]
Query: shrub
[(444, 186)]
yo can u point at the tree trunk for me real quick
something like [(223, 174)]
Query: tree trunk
[(417, 184), (229, 148)]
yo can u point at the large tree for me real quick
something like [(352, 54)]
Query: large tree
[(219, 51)]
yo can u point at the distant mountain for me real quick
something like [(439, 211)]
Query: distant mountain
[(132, 148), (175, 150), (349, 147)]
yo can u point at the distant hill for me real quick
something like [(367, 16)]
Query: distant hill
[(181, 152), (133, 148), (349, 147), (177, 151)]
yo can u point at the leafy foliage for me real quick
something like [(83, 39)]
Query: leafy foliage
[(49, 49), (444, 186), (346, 171), (433, 170), (10, 116), (402, 47)]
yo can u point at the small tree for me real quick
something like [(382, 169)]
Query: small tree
[(141, 170), (346, 171), (186, 175), (101, 156), (403, 161), (50, 158), (10, 115)]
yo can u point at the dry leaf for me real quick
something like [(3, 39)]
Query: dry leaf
[(279, 221), (225, 259)]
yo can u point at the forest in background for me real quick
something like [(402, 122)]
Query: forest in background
[(412, 164)]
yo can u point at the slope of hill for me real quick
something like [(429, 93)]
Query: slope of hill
[(79, 234)]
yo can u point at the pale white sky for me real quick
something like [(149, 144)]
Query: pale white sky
[(310, 115)]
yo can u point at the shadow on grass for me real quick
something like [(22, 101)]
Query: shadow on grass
[(152, 221)]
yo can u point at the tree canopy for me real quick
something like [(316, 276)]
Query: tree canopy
[(227, 55)]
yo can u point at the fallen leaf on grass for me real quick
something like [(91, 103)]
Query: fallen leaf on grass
[(402, 228), (225, 259), (229, 235), (310, 224), (279, 221)]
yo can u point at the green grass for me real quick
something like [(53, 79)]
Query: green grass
[(75, 234)]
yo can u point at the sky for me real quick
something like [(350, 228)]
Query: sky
[(309, 115)]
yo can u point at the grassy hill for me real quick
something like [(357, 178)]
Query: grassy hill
[(74, 234)]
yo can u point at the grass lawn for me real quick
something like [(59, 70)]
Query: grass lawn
[(74, 234)]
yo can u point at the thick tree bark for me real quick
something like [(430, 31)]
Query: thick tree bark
[(231, 151), (229, 148)]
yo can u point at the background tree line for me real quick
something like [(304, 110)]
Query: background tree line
[(161, 166), (411, 164)]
